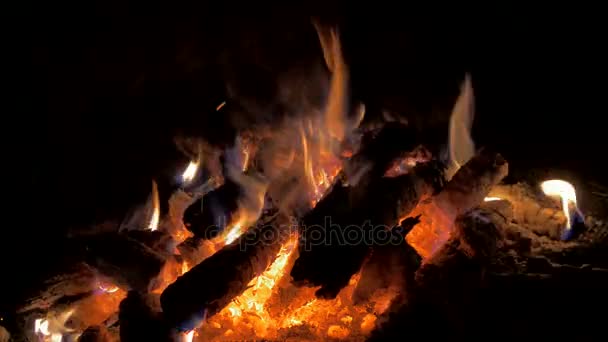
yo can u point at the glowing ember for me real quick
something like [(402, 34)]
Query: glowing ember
[(190, 172), (155, 218), (220, 106), (565, 191), (492, 199)]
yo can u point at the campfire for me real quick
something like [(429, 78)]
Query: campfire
[(312, 228)]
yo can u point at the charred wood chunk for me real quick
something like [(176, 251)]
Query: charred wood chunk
[(381, 148), (338, 233), (130, 263), (458, 267), (463, 192), (97, 333), (390, 265), (139, 322), (209, 216), (157, 240), (211, 285)]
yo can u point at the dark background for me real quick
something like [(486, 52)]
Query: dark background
[(106, 85)]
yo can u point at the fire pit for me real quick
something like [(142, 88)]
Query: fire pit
[(318, 226)]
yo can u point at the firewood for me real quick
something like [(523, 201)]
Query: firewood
[(139, 322), (462, 193), (97, 333), (366, 211), (208, 216), (128, 262), (211, 285)]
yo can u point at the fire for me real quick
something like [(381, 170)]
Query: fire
[(250, 306), (492, 199), (461, 145), (155, 218), (185, 267), (52, 328), (190, 172), (108, 288), (565, 191), (187, 337)]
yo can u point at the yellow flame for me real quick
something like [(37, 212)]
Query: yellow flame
[(190, 172), (52, 328), (565, 191), (492, 199), (234, 232), (185, 267), (155, 218), (220, 106), (461, 145), (108, 289), (187, 337)]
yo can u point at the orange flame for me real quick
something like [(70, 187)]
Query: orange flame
[(155, 217)]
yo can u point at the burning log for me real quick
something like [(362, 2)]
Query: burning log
[(208, 216), (128, 262), (467, 189), (339, 232), (212, 284)]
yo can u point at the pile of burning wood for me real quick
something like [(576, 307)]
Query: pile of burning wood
[(313, 233)]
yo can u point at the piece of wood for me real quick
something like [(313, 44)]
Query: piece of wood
[(140, 322), (208, 216), (128, 262), (339, 231), (211, 285), (467, 189)]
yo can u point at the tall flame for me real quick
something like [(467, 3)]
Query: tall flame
[(155, 217), (190, 171), (461, 145), (565, 191)]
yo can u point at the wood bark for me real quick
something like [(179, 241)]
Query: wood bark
[(211, 285)]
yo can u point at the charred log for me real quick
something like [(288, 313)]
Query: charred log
[(139, 322), (212, 284), (462, 193), (128, 262), (209, 216), (389, 265), (96, 334), (448, 285), (338, 233)]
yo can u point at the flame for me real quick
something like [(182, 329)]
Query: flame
[(155, 218), (52, 328), (565, 191), (461, 145), (185, 267), (492, 199), (108, 289), (190, 172), (187, 337)]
